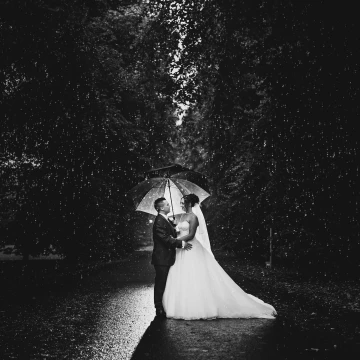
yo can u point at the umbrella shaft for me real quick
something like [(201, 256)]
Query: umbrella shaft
[(172, 207)]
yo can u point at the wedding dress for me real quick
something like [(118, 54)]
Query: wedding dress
[(197, 287)]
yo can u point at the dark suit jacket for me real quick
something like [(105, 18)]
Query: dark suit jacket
[(164, 244)]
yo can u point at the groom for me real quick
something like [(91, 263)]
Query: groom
[(163, 256)]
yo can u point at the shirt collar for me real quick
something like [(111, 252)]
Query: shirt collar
[(164, 216)]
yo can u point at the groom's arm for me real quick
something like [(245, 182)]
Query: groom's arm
[(162, 233)]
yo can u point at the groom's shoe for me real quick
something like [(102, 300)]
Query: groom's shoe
[(160, 313)]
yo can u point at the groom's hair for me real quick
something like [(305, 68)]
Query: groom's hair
[(158, 203)]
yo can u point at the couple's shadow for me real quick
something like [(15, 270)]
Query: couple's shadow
[(155, 343), (220, 338)]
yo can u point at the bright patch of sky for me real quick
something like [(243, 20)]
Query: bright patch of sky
[(181, 51)]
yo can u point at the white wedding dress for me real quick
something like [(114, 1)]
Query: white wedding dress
[(197, 287)]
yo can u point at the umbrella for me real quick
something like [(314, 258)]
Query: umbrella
[(171, 182)]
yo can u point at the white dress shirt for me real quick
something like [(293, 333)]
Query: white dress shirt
[(183, 242)]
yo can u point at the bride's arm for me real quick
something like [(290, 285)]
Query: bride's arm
[(194, 223)]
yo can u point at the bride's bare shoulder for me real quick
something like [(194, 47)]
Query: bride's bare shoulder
[(192, 216)]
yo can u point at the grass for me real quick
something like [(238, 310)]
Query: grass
[(20, 279)]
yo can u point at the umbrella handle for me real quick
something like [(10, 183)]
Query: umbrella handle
[(168, 181)]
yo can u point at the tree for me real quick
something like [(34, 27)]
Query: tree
[(280, 129), (80, 102)]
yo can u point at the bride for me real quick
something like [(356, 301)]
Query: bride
[(197, 287)]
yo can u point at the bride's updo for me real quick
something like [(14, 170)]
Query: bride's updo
[(191, 199)]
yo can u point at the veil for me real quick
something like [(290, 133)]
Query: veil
[(201, 232)]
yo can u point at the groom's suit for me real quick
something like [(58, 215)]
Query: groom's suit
[(163, 255)]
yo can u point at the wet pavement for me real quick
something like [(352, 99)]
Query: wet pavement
[(110, 315)]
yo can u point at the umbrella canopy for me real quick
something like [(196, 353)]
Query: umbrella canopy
[(179, 172), (172, 183)]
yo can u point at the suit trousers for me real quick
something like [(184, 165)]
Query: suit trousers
[(162, 272)]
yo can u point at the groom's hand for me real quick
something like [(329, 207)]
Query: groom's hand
[(187, 246)]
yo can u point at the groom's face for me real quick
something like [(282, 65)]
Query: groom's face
[(165, 207)]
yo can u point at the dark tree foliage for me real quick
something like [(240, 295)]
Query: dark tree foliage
[(88, 104), (311, 137), (277, 82), (82, 113), (191, 141)]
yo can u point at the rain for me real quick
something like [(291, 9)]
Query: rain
[(259, 98)]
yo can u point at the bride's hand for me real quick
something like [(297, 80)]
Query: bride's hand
[(187, 246)]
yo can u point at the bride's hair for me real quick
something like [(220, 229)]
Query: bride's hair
[(191, 199)]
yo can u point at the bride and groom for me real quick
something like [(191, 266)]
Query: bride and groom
[(189, 283)]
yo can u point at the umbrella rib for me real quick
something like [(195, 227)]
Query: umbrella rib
[(179, 187), (142, 198)]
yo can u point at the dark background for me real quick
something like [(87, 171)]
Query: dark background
[(271, 92)]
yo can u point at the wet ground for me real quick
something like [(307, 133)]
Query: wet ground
[(110, 315)]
